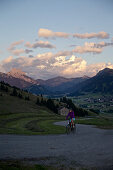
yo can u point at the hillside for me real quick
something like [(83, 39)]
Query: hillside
[(101, 83), (39, 89), (17, 78), (20, 114), (24, 113), (58, 86), (55, 81)]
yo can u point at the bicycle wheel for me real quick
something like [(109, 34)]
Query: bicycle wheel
[(68, 129), (74, 129)]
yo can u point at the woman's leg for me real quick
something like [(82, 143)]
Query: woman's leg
[(72, 122)]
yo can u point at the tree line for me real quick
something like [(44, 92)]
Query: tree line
[(49, 103), (15, 90), (78, 111), (41, 101)]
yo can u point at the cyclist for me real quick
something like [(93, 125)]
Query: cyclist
[(71, 115)]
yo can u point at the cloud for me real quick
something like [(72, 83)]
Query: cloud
[(41, 44), (50, 34), (46, 33), (17, 52), (64, 53), (14, 44), (31, 56), (76, 69), (93, 69), (100, 35), (92, 47), (63, 60), (87, 48), (48, 65), (27, 51), (45, 56), (9, 59), (103, 44)]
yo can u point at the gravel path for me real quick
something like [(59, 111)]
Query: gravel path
[(89, 147)]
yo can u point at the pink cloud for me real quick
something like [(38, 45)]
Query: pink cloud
[(100, 35), (14, 44), (41, 44), (50, 34)]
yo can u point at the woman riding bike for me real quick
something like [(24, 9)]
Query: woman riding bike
[(71, 115)]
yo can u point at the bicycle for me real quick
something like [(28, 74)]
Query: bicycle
[(70, 128)]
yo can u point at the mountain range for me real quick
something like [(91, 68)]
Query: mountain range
[(60, 86), (17, 78), (101, 83)]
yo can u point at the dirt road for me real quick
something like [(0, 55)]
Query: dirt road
[(89, 147)]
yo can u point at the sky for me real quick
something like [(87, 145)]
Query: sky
[(50, 38)]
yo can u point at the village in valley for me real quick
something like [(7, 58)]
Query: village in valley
[(97, 103)]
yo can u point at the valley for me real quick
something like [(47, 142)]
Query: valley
[(98, 103)]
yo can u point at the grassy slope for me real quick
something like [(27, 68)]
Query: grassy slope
[(19, 116), (103, 122)]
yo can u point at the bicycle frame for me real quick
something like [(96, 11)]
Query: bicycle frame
[(70, 128)]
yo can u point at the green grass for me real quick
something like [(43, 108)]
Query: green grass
[(20, 165), (101, 122), (17, 165), (19, 116), (31, 124)]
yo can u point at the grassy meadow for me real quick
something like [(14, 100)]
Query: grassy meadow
[(103, 122), (20, 116)]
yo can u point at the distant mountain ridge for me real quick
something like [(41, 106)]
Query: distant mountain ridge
[(17, 78), (102, 82), (17, 73), (56, 81), (57, 86)]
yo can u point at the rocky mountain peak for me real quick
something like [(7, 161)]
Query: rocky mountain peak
[(16, 73), (106, 71), (85, 77)]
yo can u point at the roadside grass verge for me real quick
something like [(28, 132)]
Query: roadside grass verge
[(17, 165), (21, 165), (100, 121)]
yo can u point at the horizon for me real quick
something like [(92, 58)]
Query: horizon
[(45, 40), (15, 70)]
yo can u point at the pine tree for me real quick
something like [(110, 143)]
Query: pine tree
[(38, 101), (20, 96), (14, 93), (6, 89), (27, 98)]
